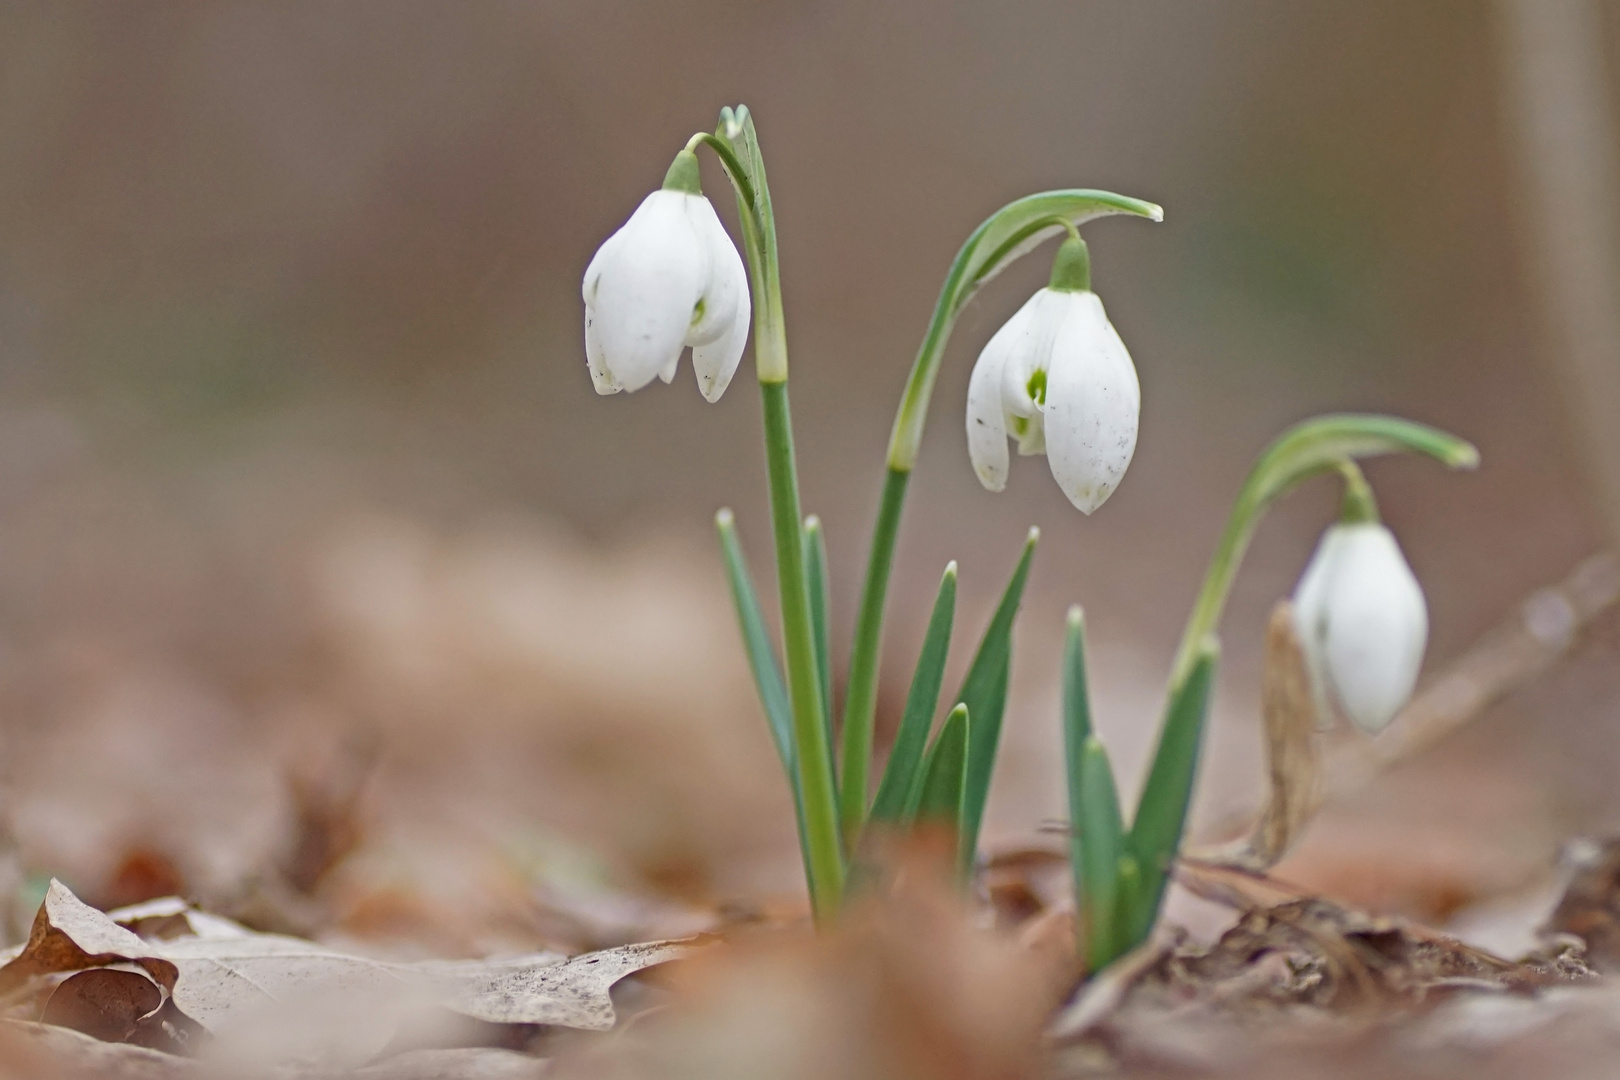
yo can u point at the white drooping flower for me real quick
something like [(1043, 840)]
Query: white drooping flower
[(1057, 379), (668, 279), (1362, 624)]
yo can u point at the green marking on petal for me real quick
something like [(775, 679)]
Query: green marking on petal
[(1036, 387)]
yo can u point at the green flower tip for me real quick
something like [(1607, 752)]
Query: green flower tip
[(1093, 745), (812, 524), (950, 570), (960, 710), (684, 175), (1155, 212), (1034, 536), (1076, 617), (724, 518)]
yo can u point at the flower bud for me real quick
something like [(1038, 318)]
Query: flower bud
[(1057, 378), (1362, 624), (668, 279)]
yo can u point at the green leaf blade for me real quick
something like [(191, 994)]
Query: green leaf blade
[(815, 572), (984, 692), (903, 774), (939, 801), (762, 662), (1096, 829), (1161, 813), (1100, 839)]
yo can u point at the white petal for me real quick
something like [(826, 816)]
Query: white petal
[(716, 362), (593, 271), (1310, 618), (1038, 322), (725, 280), (601, 377), (666, 374), (650, 276), (986, 419), (1376, 627), (1093, 403)]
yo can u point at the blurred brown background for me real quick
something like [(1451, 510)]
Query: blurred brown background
[(298, 453)]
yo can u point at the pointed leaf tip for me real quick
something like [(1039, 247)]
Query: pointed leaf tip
[(724, 517), (1076, 617), (1034, 536), (950, 569)]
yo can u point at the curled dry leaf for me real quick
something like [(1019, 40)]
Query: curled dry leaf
[(70, 935), (293, 999), (1293, 754)]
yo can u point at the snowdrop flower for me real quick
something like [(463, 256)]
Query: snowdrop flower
[(1057, 379), (1362, 623), (668, 279)]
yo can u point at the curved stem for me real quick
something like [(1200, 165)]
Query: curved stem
[(1304, 450)]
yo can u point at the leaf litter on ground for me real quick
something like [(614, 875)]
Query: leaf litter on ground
[(199, 984)]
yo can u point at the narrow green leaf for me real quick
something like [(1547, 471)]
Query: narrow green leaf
[(1096, 830), (984, 692), (1129, 900), (1161, 814), (815, 572), (762, 661), (903, 774), (940, 800), (757, 643), (1099, 832)]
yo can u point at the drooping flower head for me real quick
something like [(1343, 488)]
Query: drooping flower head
[(1057, 378), (668, 279), (1361, 618)]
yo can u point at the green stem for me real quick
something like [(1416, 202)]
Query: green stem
[(813, 757), (860, 699), (737, 146)]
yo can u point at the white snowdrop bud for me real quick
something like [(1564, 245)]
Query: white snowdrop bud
[(1362, 624), (1057, 379), (668, 279)]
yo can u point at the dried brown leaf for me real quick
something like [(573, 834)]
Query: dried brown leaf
[(1293, 753), (292, 999), (571, 994), (70, 935)]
